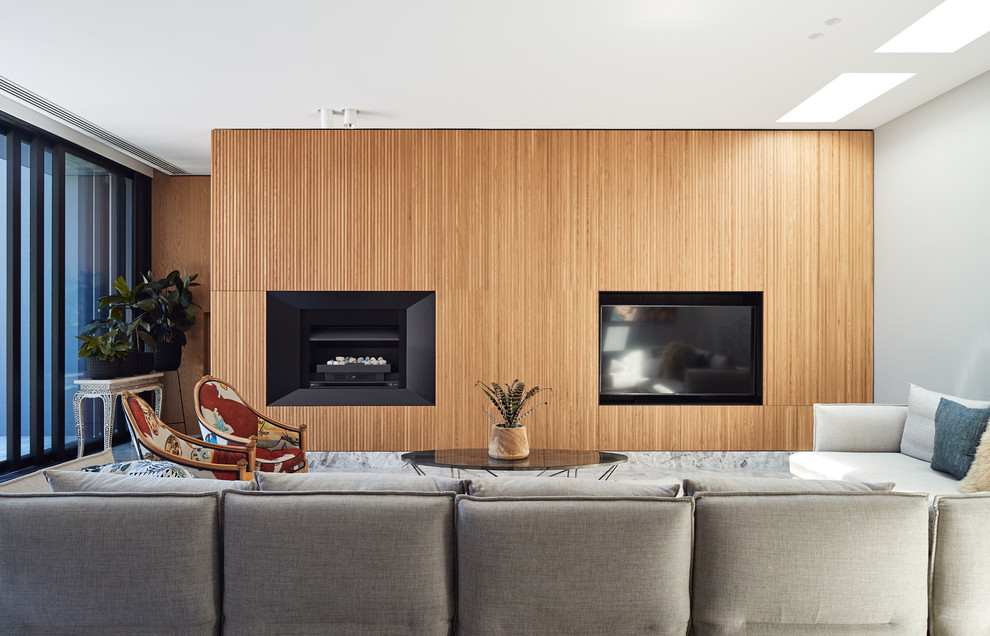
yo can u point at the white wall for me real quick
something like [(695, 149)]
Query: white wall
[(932, 247)]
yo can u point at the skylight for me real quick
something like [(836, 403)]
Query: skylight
[(945, 29), (843, 95)]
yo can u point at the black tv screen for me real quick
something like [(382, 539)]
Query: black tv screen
[(680, 348)]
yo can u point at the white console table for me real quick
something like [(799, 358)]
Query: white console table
[(109, 391)]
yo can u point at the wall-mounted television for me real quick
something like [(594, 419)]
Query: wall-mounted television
[(680, 348)]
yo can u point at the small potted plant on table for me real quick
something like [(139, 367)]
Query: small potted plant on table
[(508, 438), (103, 353)]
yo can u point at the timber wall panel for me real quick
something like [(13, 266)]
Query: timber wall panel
[(845, 266), (180, 225), (518, 231)]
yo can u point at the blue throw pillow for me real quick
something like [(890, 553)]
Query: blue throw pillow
[(957, 435)]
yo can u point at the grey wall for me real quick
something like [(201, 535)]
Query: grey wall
[(932, 247)]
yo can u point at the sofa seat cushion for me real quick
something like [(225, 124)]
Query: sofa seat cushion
[(103, 563), (907, 473), (567, 565), (810, 564), (347, 563)]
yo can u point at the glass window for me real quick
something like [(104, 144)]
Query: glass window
[(88, 251), (25, 263), (49, 289), (3, 296)]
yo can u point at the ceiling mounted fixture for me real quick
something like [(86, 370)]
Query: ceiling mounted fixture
[(843, 95), (326, 118), (945, 29)]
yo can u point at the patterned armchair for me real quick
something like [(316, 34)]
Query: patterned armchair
[(153, 438), (226, 419)]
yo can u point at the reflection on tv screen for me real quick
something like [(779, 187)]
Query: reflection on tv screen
[(678, 350)]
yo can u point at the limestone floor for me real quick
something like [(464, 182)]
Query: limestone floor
[(660, 466), (655, 466)]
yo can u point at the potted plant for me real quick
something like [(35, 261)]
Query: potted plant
[(174, 314), (103, 353), (508, 438), (128, 312)]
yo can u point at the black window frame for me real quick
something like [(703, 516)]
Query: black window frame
[(136, 242)]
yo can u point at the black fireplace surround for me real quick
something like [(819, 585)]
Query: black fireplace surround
[(318, 344)]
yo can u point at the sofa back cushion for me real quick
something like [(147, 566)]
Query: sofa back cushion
[(570, 565), (77, 481), (918, 440), (960, 566), (109, 564), (377, 482), (545, 487), (849, 428), (338, 562), (800, 563), (696, 485)]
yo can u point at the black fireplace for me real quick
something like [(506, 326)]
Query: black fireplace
[(357, 348)]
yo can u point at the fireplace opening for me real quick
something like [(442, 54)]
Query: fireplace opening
[(345, 355), (351, 348)]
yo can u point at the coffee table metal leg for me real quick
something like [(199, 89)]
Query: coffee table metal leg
[(418, 470), (608, 473)]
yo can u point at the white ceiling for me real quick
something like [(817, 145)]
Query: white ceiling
[(161, 75)]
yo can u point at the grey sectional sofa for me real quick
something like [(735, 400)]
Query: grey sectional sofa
[(347, 562)]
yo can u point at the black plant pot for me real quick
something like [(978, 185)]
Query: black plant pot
[(102, 369), (168, 357), (129, 364), (146, 362)]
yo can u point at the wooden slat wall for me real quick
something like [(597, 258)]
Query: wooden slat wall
[(518, 231), (180, 230)]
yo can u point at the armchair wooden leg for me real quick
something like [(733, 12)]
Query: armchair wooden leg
[(252, 447)]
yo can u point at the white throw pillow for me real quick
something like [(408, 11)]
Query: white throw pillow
[(918, 439)]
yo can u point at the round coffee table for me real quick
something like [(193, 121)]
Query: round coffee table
[(542, 459)]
